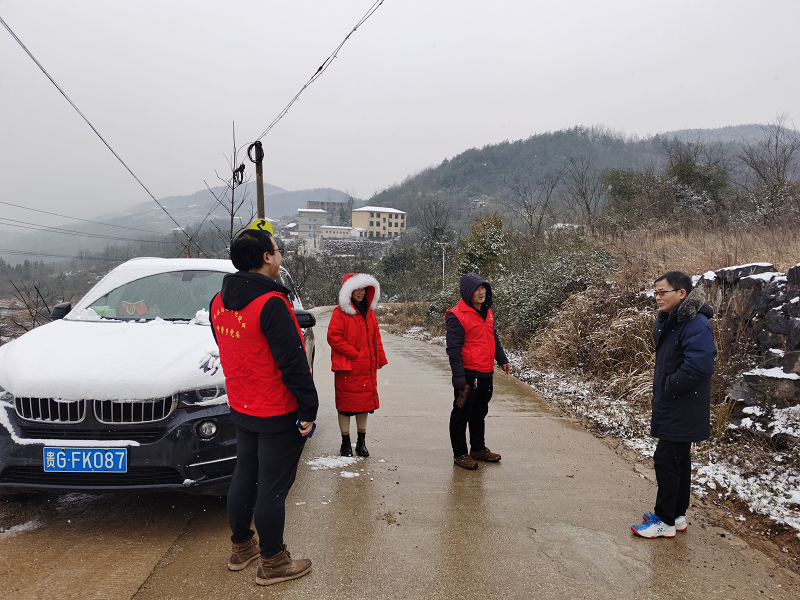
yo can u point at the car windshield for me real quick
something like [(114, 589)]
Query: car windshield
[(173, 296)]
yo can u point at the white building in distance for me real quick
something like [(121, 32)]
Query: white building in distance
[(381, 223)]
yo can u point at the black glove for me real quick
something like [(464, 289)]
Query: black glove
[(459, 383)]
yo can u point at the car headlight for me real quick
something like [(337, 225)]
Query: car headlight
[(6, 396), (198, 396)]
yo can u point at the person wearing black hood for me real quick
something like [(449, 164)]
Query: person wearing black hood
[(473, 347), (273, 402), (685, 353)]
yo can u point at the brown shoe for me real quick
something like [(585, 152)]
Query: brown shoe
[(485, 455), (281, 567), (465, 461), (243, 554)]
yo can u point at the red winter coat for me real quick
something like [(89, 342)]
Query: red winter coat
[(356, 348)]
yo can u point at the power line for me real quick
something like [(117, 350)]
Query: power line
[(14, 35), (49, 255), (48, 229), (323, 67), (79, 219)]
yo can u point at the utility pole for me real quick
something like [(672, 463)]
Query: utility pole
[(259, 157)]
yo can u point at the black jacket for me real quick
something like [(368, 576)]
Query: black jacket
[(240, 289), (685, 354), (455, 331)]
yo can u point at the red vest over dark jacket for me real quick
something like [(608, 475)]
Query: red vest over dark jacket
[(478, 350), (252, 377)]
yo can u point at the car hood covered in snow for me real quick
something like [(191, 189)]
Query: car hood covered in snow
[(107, 360)]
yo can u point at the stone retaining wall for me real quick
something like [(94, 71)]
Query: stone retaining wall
[(757, 295)]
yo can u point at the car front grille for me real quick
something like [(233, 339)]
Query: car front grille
[(134, 476), (139, 411), (139, 434), (50, 410)]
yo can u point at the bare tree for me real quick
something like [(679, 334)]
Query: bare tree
[(583, 191), (532, 201), (434, 222), (773, 159), (236, 202), (36, 301)]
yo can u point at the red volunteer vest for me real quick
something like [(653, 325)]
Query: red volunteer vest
[(478, 350), (252, 377)]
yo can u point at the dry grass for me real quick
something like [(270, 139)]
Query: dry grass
[(399, 317), (645, 254), (603, 333)]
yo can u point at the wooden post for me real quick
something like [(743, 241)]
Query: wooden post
[(259, 157)]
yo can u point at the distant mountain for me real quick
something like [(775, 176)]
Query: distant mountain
[(186, 210), (474, 178)]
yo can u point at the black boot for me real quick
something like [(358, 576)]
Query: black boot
[(361, 446), (347, 449)]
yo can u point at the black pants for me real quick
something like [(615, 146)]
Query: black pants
[(266, 465), (673, 464), (473, 414)]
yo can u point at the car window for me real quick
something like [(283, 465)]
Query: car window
[(176, 295)]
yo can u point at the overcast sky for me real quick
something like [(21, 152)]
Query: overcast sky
[(422, 80)]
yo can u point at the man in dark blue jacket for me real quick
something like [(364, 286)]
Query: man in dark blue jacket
[(473, 347), (685, 354)]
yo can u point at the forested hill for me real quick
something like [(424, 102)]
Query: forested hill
[(477, 175)]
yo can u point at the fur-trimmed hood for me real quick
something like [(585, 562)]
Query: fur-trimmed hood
[(693, 304), (350, 283)]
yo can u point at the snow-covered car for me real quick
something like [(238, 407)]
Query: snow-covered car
[(125, 391)]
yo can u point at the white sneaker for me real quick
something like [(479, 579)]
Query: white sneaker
[(654, 528), (680, 522)]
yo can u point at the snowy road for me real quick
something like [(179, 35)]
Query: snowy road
[(552, 520)]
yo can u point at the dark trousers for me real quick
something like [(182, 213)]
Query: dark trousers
[(473, 414), (673, 464), (266, 465)]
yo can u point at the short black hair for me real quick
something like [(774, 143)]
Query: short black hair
[(677, 280), (248, 248)]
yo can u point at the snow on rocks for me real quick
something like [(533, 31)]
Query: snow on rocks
[(773, 373)]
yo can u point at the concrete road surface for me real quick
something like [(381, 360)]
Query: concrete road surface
[(550, 521)]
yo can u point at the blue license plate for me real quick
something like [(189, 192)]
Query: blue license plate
[(86, 460)]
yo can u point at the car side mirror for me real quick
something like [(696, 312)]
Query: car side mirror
[(61, 310), (305, 319)]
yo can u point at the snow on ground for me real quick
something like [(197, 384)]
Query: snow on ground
[(332, 462), (419, 333), (17, 529), (348, 474), (772, 489)]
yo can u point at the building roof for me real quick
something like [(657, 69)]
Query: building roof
[(311, 210), (378, 209), (337, 227)]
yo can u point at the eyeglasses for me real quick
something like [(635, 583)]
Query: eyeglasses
[(276, 249), (659, 293)]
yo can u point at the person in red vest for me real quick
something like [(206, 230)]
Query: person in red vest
[(272, 398), (473, 347), (356, 355)]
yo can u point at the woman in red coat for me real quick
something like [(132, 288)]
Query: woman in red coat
[(356, 354)]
